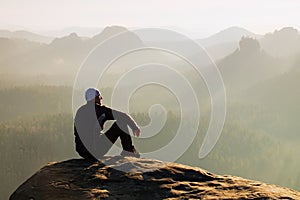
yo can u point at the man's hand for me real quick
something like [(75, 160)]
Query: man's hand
[(137, 132)]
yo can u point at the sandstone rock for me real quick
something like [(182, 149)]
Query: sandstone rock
[(140, 179)]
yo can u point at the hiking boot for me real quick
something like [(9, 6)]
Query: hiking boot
[(132, 153)]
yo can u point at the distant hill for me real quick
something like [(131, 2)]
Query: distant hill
[(68, 50), (219, 51), (231, 34), (25, 35), (18, 55), (81, 31), (248, 65), (282, 43), (107, 32), (281, 96), (62, 56), (277, 88), (226, 41)]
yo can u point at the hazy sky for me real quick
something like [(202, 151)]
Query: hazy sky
[(203, 16)]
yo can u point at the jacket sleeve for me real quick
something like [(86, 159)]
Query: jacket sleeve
[(120, 117)]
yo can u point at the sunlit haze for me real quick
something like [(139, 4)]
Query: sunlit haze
[(200, 17)]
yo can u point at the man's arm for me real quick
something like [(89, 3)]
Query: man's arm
[(122, 117)]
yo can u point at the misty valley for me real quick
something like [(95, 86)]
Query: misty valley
[(260, 138)]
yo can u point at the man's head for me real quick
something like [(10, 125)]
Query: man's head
[(93, 94)]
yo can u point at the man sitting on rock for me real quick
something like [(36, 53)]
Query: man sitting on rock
[(91, 143)]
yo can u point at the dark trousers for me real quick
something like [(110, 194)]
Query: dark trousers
[(106, 141)]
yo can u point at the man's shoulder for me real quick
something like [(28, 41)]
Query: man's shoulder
[(103, 107), (86, 107)]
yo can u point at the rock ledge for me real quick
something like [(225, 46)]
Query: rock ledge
[(80, 179)]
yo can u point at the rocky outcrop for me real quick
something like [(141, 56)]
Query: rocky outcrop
[(134, 178)]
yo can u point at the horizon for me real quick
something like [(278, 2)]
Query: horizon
[(196, 18), (92, 31)]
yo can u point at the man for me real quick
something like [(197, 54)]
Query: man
[(91, 143)]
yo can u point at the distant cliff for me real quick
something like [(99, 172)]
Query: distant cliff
[(79, 179)]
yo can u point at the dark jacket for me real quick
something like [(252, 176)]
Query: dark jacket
[(89, 121)]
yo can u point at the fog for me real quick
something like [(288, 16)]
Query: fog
[(260, 139)]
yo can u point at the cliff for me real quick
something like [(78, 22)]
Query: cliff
[(133, 178)]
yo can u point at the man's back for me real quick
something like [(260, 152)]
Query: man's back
[(88, 124)]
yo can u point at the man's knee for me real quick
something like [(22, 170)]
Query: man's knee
[(86, 155), (119, 127)]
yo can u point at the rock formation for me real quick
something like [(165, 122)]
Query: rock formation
[(133, 178)]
